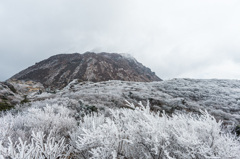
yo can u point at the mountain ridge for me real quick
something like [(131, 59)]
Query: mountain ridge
[(59, 70)]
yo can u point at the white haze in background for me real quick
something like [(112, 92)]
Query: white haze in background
[(189, 38)]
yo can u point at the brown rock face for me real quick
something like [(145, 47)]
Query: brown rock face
[(59, 70)]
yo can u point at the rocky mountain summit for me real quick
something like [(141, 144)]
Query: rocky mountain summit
[(57, 71)]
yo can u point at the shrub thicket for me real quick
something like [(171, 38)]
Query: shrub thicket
[(53, 132)]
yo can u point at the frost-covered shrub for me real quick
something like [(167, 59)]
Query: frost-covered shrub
[(39, 148), (55, 118), (85, 109), (123, 133), (140, 133), (18, 140)]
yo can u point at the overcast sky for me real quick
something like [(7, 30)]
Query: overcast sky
[(175, 38)]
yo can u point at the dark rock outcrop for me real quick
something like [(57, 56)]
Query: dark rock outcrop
[(57, 71)]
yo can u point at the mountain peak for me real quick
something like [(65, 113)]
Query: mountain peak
[(59, 70)]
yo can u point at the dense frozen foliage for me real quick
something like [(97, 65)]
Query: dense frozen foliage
[(140, 133), (53, 131), (221, 98), (37, 132), (38, 149)]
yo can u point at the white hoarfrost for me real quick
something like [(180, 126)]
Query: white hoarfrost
[(132, 132), (220, 98), (186, 119)]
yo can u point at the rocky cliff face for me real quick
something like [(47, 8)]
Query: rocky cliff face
[(57, 71)]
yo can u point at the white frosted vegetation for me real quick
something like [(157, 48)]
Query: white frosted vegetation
[(39, 148), (220, 98), (53, 132)]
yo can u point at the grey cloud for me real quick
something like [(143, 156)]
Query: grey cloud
[(173, 38)]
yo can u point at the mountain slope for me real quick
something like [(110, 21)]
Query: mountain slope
[(59, 70), (221, 98)]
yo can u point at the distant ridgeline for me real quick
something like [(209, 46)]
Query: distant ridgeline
[(57, 71)]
